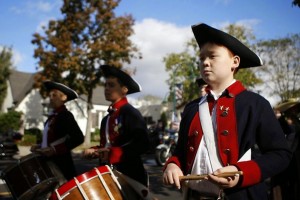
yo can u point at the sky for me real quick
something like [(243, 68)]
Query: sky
[(161, 27)]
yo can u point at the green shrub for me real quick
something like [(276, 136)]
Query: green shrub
[(28, 140), (95, 136), (10, 121)]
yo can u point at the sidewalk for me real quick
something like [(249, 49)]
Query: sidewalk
[(23, 151)]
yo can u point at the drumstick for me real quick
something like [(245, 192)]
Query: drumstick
[(199, 177)]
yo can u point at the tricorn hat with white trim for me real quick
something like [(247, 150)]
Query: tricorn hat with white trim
[(204, 33), (71, 94), (288, 105), (127, 80)]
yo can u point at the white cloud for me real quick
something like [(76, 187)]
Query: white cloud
[(247, 23), (156, 39), (17, 57), (36, 7), (43, 6), (44, 23)]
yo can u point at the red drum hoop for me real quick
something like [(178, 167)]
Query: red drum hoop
[(99, 183)]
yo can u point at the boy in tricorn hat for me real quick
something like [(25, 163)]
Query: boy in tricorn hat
[(61, 133), (123, 132), (219, 132)]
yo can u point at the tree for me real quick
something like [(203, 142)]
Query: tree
[(183, 67), (74, 47), (10, 121), (282, 66), (296, 3), (5, 66), (246, 75)]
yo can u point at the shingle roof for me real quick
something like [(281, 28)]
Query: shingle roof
[(98, 96), (22, 83)]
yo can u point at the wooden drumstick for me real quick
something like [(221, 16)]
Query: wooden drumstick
[(203, 176)]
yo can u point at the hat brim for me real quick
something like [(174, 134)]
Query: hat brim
[(71, 94), (204, 33), (200, 82), (127, 80), (286, 106)]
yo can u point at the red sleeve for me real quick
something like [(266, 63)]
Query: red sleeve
[(115, 155), (173, 159), (251, 172)]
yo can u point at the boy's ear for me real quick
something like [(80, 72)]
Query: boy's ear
[(124, 90), (236, 61), (64, 98)]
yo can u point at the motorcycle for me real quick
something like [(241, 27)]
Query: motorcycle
[(164, 150)]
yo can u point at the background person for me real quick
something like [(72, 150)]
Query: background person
[(123, 132), (61, 133), (285, 186)]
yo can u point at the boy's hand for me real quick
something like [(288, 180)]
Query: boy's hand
[(171, 175), (227, 182)]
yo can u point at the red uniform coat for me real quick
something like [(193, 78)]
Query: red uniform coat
[(128, 136), (248, 123), (64, 134)]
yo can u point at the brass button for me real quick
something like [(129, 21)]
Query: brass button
[(196, 133), (224, 113), (227, 151), (225, 132), (191, 149)]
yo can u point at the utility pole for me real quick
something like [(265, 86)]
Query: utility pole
[(174, 93)]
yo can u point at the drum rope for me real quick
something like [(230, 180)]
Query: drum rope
[(114, 178), (58, 195), (104, 184), (81, 189)]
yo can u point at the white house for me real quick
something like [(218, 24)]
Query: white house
[(24, 98)]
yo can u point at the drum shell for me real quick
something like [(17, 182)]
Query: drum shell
[(30, 177), (91, 185)]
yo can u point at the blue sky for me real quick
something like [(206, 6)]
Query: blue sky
[(161, 27)]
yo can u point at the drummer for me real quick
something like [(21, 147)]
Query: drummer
[(286, 184), (123, 132), (61, 133)]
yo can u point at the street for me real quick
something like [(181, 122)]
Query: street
[(157, 189)]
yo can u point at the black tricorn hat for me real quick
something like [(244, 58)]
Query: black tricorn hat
[(127, 80), (71, 94), (200, 82), (204, 33)]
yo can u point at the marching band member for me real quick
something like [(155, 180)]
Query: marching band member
[(219, 132), (61, 133), (123, 132)]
